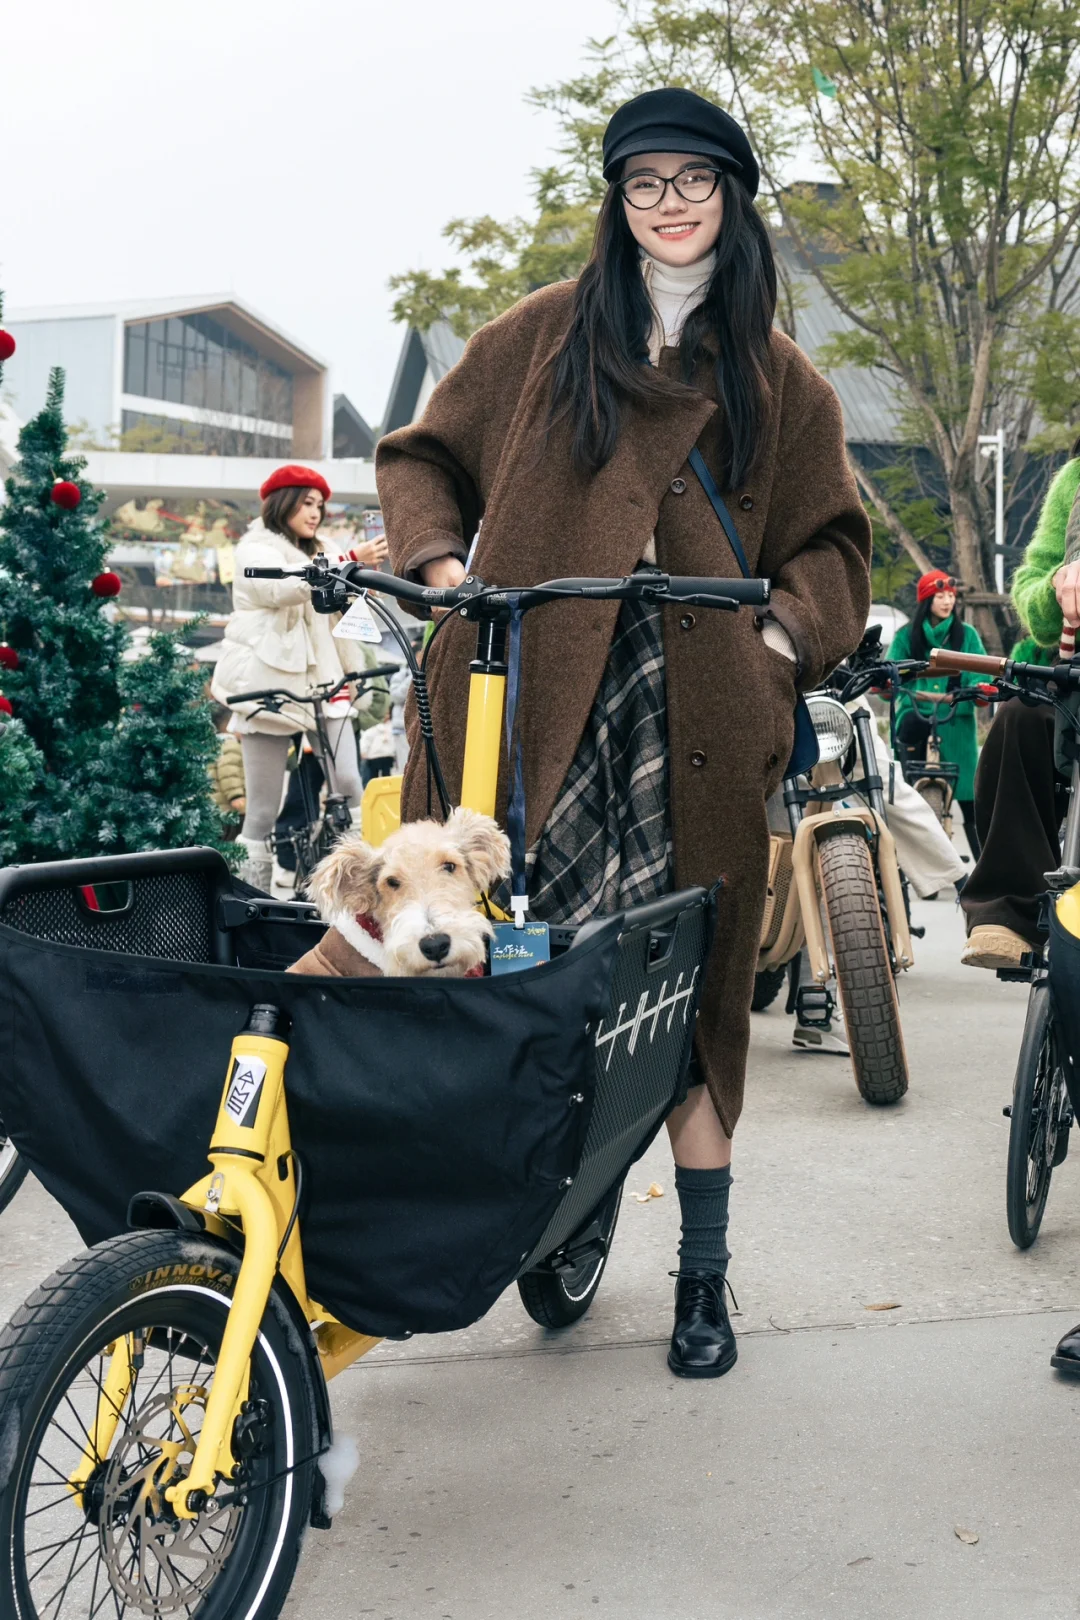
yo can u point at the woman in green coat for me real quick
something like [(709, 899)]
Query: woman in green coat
[(937, 623)]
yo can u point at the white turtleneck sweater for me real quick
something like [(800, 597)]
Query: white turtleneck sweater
[(675, 290)]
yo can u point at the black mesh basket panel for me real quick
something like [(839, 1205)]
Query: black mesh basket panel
[(642, 1046), (168, 915)]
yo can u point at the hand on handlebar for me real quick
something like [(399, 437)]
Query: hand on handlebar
[(443, 574), (986, 694)]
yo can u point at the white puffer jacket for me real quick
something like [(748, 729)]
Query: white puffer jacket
[(275, 638)]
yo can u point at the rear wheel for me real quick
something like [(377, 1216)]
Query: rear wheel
[(115, 1547), (12, 1169), (864, 976), (1041, 1117), (767, 986), (556, 1298), (935, 796)]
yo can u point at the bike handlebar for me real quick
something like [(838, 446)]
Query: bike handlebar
[(943, 661), (322, 694), (690, 590)]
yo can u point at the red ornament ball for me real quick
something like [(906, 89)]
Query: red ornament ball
[(66, 494), (9, 658), (5, 706), (7, 345), (107, 584)]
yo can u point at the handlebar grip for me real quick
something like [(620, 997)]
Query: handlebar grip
[(266, 573), (750, 592), (258, 697), (954, 663)]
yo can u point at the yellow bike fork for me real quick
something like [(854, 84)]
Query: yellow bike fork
[(253, 1175)]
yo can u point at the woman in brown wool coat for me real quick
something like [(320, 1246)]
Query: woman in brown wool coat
[(651, 736)]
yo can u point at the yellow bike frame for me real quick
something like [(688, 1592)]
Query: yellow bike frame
[(252, 1180)]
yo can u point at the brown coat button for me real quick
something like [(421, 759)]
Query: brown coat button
[(697, 758), (746, 502), (687, 622), (678, 486), (774, 759)]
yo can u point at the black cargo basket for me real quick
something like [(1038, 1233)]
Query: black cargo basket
[(452, 1133)]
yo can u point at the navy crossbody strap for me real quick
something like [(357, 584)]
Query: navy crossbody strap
[(716, 500), (804, 752)]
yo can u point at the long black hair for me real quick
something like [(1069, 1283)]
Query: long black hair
[(601, 366), (919, 647)]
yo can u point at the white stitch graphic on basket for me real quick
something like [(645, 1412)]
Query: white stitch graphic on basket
[(645, 1012)]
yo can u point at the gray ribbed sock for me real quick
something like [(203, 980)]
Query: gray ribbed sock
[(703, 1205)]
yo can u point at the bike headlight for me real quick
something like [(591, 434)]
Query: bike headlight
[(834, 727)]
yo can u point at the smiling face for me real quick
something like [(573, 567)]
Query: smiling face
[(675, 232), (305, 521)]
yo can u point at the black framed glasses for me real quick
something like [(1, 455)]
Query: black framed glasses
[(694, 184)]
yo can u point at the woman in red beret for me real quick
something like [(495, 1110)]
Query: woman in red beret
[(275, 638), (938, 623)]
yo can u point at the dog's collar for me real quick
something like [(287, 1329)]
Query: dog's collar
[(364, 935)]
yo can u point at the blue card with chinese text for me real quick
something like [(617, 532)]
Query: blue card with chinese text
[(514, 948)]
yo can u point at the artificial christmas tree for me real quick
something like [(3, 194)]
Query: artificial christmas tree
[(100, 756)]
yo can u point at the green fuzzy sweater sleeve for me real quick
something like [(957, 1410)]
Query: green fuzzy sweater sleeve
[(1033, 583)]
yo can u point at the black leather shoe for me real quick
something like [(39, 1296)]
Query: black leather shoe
[(702, 1344), (1066, 1358)]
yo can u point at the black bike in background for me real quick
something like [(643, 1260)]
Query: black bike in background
[(1041, 1111), (300, 843)]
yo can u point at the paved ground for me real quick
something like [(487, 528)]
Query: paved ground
[(510, 1474)]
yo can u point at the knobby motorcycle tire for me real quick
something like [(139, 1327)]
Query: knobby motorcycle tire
[(165, 1283), (864, 976), (767, 986)]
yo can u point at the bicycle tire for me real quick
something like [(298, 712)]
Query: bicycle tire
[(556, 1299), (174, 1289), (864, 977), (767, 986), (1036, 1125), (933, 794), (13, 1169)]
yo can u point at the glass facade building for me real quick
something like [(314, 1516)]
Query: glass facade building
[(192, 360)]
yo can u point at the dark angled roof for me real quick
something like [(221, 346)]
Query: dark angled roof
[(352, 436), (438, 348), (871, 399)]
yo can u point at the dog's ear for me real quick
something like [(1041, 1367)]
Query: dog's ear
[(346, 879), (483, 844)]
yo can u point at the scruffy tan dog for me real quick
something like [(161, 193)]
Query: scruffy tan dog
[(408, 907)]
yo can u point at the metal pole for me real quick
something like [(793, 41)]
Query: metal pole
[(999, 514)]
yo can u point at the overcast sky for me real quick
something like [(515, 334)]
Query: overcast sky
[(297, 156)]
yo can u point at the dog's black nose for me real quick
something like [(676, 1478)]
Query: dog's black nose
[(436, 947)]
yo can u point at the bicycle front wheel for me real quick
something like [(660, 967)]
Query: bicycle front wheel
[(112, 1545), (12, 1169), (1040, 1109)]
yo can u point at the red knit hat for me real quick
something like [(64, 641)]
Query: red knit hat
[(929, 585), (294, 477)]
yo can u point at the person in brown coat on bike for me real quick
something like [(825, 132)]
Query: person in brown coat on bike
[(652, 736)]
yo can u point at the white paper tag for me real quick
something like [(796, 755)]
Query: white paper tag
[(358, 625)]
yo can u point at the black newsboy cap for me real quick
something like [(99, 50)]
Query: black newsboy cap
[(678, 121)]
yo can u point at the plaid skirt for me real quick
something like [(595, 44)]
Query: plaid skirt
[(607, 841)]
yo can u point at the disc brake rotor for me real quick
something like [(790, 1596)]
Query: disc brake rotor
[(157, 1563)]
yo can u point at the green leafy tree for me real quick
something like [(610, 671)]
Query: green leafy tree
[(99, 755), (944, 230)]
